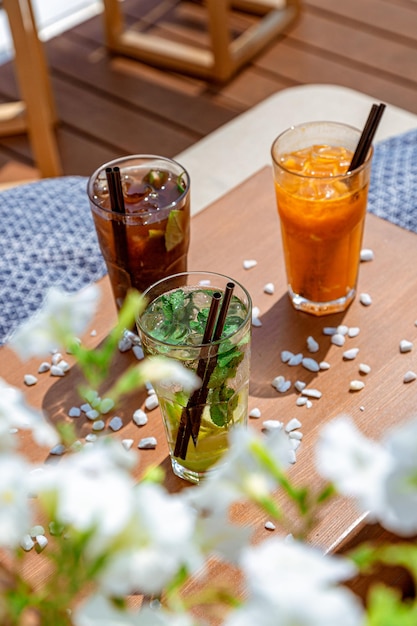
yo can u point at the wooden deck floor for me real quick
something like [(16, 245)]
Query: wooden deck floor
[(110, 106)]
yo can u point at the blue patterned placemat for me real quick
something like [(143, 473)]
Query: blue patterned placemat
[(47, 235)]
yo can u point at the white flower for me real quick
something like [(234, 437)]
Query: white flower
[(63, 316), (168, 371), (15, 413), (356, 465), (157, 543), (15, 515)]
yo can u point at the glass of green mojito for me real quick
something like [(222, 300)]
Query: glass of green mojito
[(203, 320)]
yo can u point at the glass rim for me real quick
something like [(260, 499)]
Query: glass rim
[(118, 162), (296, 127), (196, 346)]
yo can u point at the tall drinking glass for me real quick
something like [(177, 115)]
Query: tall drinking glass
[(174, 324), (322, 208)]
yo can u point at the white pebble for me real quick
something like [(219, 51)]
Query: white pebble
[(312, 345), (312, 393), (30, 380), (324, 365), (124, 344), (140, 418), (99, 425), (338, 339), (342, 329), (356, 385), (366, 254), (309, 404), (295, 359), (409, 376), (269, 288), (286, 356), (57, 371), (272, 425), (354, 331), (350, 354), (44, 367), (86, 407), (127, 443), (36, 530), (270, 526), (364, 368), (147, 443), (57, 450), (256, 321), (91, 437), (151, 402), (293, 424), (105, 405), (92, 415), (310, 364), (56, 358), (280, 384), (249, 263), (63, 365), (76, 445), (295, 434), (365, 299), (138, 352), (292, 457), (301, 401), (27, 543), (74, 412), (361, 408), (42, 542), (115, 423), (405, 345), (300, 385), (255, 413), (329, 330)]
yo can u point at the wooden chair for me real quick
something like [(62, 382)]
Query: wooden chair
[(225, 56), (35, 113)]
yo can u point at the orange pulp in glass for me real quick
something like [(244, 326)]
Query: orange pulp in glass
[(322, 213)]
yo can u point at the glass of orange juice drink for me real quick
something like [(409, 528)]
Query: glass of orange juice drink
[(322, 208)]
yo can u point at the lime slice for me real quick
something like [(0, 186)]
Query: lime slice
[(174, 233)]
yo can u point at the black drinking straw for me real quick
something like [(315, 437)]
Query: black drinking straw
[(197, 400), (367, 136), (117, 205)]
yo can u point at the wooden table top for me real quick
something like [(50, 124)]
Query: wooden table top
[(244, 225)]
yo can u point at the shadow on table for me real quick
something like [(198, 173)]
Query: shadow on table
[(284, 328)]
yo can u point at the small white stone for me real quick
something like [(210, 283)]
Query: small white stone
[(300, 385), (44, 367), (366, 254), (255, 413), (98, 425), (151, 402), (312, 393), (295, 359), (312, 345), (92, 415), (350, 354), (74, 411), (301, 401), (409, 376), (147, 443), (361, 408), (42, 542), (56, 358), (64, 365), (405, 345), (115, 423), (140, 418), (292, 457), (93, 333), (76, 445), (86, 407), (249, 263), (105, 405), (310, 364), (256, 321), (309, 404), (286, 356), (57, 371), (295, 434), (36, 530), (272, 425), (338, 339), (270, 526), (269, 288), (354, 331), (91, 437), (57, 450), (329, 330), (293, 424), (138, 352), (342, 329), (356, 385), (30, 380), (124, 344), (324, 365), (127, 443), (364, 368), (365, 299), (27, 543)]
